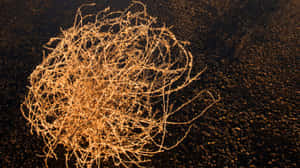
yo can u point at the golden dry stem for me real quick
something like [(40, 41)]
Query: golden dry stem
[(103, 90)]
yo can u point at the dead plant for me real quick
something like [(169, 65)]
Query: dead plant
[(103, 90)]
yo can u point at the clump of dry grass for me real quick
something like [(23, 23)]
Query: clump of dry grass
[(103, 91)]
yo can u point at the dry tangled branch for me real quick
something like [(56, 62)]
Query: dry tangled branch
[(103, 91)]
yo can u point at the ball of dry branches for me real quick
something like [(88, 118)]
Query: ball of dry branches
[(103, 90)]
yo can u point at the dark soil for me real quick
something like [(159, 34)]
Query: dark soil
[(251, 49)]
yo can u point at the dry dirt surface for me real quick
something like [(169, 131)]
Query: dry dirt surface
[(250, 49)]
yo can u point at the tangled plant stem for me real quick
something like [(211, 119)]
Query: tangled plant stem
[(103, 91)]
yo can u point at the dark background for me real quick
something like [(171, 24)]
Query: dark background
[(251, 48)]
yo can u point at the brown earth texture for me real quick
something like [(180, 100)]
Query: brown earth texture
[(251, 49)]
